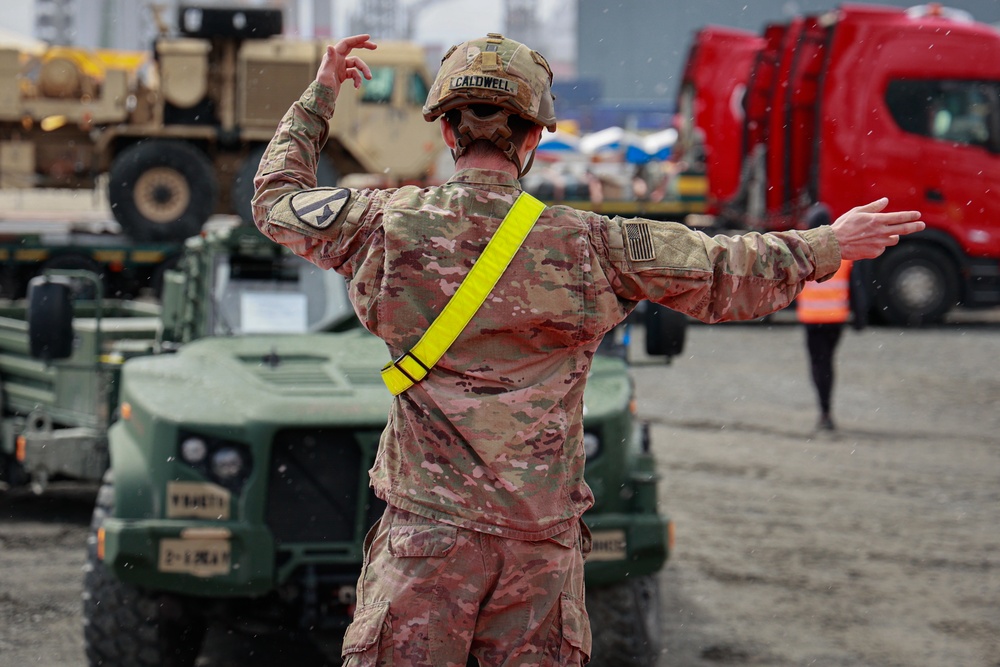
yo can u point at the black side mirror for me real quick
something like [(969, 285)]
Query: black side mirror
[(666, 331), (50, 318)]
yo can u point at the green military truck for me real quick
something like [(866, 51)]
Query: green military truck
[(54, 417), (239, 417)]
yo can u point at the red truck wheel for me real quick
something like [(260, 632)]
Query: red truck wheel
[(917, 284)]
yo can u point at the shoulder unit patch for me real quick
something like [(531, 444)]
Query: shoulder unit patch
[(318, 208)]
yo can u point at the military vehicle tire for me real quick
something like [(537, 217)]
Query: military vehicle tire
[(162, 190), (666, 330), (625, 623), (125, 626), (242, 192), (916, 285)]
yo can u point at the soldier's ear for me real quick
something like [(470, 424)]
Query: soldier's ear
[(447, 134), (532, 138)]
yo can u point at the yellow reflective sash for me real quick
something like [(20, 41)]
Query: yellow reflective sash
[(413, 366)]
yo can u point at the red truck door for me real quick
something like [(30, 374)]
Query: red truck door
[(949, 138)]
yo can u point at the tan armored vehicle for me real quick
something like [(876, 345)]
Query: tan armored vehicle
[(180, 131)]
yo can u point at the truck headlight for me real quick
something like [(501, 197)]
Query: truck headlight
[(591, 445), (227, 464), (193, 450)]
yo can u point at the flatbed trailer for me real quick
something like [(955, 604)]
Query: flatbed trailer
[(34, 242)]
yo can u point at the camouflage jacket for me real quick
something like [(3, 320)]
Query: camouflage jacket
[(492, 438)]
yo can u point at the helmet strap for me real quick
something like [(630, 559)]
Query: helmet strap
[(527, 167)]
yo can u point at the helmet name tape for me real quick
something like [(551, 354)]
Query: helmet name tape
[(487, 82)]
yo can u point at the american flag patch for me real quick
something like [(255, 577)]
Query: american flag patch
[(639, 242)]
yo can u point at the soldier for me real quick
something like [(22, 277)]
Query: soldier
[(480, 551)]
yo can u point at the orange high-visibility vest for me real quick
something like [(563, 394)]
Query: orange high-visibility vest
[(827, 302)]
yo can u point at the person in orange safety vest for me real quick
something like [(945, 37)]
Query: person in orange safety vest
[(824, 308)]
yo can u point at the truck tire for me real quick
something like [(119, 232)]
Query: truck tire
[(243, 190), (125, 626), (11, 284), (916, 284), (666, 330), (625, 623), (162, 190)]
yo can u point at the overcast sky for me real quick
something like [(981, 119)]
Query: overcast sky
[(442, 21), (18, 16), (447, 22)]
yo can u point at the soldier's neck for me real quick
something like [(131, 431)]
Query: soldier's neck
[(488, 161)]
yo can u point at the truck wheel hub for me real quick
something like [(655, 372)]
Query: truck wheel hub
[(918, 287), (162, 194)]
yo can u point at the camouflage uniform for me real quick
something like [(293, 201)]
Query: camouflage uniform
[(491, 440)]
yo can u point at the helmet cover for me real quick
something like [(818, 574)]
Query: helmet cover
[(497, 71)]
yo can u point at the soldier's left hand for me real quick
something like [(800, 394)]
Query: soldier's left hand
[(864, 232), (339, 65)]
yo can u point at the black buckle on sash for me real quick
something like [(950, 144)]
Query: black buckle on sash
[(396, 364)]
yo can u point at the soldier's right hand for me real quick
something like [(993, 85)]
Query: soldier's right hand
[(339, 65)]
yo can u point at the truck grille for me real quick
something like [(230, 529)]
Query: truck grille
[(317, 478)]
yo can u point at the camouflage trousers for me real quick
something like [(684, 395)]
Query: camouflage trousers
[(435, 595)]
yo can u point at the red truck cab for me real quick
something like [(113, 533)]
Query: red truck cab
[(712, 91), (864, 102)]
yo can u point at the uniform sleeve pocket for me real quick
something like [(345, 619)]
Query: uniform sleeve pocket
[(575, 629), (421, 541), (364, 631), (275, 158)]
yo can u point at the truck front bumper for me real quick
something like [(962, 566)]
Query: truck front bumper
[(626, 545), (217, 560)]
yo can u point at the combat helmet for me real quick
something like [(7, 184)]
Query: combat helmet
[(499, 72)]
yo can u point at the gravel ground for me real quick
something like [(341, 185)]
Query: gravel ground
[(874, 546)]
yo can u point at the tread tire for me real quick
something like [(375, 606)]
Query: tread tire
[(125, 626), (625, 623), (917, 284), (191, 170)]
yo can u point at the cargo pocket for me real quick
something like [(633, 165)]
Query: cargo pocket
[(368, 640), (575, 649), (421, 540)]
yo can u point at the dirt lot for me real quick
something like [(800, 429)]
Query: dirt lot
[(876, 546)]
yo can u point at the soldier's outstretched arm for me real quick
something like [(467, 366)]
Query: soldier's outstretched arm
[(339, 64), (290, 161), (866, 231)]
